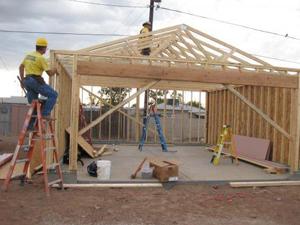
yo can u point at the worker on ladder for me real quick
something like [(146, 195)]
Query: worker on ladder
[(145, 39), (34, 65), (152, 111)]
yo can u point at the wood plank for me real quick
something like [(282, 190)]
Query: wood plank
[(111, 185), (209, 119), (265, 183), (106, 81), (74, 118), (5, 158), (268, 103), (263, 115), (295, 130), (137, 118), (283, 119), (89, 149), (275, 133), (183, 74), (99, 119), (4, 170), (261, 106), (248, 115)]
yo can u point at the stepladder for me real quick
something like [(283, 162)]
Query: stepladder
[(225, 141), (36, 129), (153, 113)]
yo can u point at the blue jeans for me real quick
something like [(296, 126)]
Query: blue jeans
[(34, 88)]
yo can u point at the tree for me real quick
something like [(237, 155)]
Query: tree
[(114, 95), (158, 96)]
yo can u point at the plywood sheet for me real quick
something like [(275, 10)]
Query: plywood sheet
[(254, 148)]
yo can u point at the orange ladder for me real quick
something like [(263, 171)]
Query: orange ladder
[(39, 133)]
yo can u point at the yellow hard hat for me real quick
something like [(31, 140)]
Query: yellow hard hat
[(41, 42), (147, 23)]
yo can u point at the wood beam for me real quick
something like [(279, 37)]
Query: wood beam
[(84, 144), (236, 77), (99, 119), (262, 114), (265, 183), (106, 81), (74, 117)]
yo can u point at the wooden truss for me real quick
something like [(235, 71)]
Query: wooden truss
[(182, 58)]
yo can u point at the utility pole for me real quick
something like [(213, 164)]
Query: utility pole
[(151, 13)]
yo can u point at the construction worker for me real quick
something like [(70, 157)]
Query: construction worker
[(145, 39), (34, 64)]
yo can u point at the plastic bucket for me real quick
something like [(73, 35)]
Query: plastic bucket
[(103, 169)]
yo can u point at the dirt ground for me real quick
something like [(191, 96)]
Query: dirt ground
[(182, 204), (185, 205)]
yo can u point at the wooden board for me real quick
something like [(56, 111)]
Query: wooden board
[(184, 74), (89, 149), (254, 148), (5, 158), (265, 183), (4, 169)]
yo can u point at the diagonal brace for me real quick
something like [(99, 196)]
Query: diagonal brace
[(261, 113), (99, 119)]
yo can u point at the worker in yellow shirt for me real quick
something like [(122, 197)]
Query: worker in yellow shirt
[(145, 40), (31, 70)]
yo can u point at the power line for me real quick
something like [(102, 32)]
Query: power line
[(61, 33), (110, 5), (229, 23), (283, 60)]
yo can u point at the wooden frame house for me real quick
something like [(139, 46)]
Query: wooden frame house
[(254, 97)]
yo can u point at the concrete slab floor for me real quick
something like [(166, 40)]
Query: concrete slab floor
[(194, 165)]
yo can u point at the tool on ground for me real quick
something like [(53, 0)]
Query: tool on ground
[(152, 112), (133, 176), (225, 139), (47, 145)]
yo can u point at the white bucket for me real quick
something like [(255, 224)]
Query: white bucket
[(103, 169)]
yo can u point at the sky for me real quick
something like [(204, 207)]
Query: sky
[(277, 16)]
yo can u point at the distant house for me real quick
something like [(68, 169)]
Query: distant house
[(179, 107), (182, 122), (12, 115)]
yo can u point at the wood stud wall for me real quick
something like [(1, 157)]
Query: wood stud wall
[(226, 108)]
